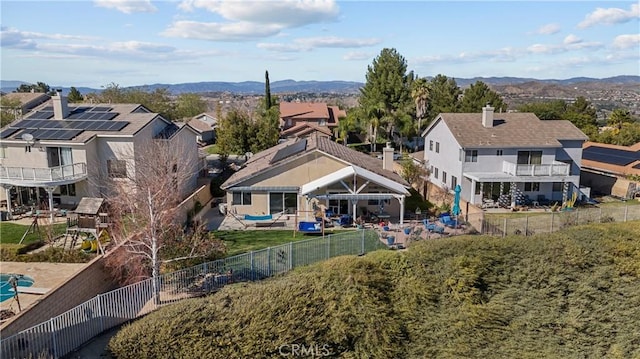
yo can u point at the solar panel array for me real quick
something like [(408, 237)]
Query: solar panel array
[(289, 151), (610, 155), (82, 118)]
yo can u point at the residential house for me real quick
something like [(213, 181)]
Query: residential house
[(300, 119), (290, 177), (60, 152), (205, 125), (28, 100), (611, 169), (504, 157)]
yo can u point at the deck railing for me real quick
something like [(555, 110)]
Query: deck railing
[(552, 169), (46, 174)]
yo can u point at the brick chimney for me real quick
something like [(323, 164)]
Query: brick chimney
[(387, 157), (487, 116), (60, 107)]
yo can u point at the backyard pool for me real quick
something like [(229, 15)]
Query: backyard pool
[(6, 291)]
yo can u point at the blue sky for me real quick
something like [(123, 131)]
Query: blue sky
[(96, 43)]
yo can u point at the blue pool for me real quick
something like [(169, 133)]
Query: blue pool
[(6, 292)]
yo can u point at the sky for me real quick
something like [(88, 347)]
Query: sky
[(86, 43)]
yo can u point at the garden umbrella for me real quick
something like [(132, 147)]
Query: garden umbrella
[(456, 201)]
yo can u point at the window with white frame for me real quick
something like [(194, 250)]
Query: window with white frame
[(437, 147), (532, 186), (435, 172), (117, 168), (444, 177), (283, 202), (68, 189), (430, 145), (241, 198), (471, 156), (454, 181)]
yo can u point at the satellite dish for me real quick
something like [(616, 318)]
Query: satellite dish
[(27, 137)]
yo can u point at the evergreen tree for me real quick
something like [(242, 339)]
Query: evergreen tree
[(74, 95), (619, 117), (444, 95), (388, 90), (267, 91), (39, 87), (478, 95)]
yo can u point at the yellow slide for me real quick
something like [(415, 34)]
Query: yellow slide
[(86, 245)]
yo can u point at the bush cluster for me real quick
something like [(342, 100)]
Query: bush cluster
[(570, 294), (18, 253)]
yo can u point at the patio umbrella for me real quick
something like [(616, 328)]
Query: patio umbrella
[(456, 201)]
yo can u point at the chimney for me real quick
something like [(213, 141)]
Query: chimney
[(487, 116), (60, 108), (387, 157)]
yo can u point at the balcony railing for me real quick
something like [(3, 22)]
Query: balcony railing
[(47, 174), (553, 169)]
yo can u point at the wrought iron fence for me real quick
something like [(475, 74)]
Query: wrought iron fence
[(66, 332), (554, 221)]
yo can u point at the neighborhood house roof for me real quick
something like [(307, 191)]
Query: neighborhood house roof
[(619, 160), (263, 161), (304, 110), (514, 129)]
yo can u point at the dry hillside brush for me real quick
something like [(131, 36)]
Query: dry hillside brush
[(571, 294)]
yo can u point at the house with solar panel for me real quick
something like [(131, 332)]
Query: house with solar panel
[(292, 176), (56, 154), (504, 158), (609, 169)]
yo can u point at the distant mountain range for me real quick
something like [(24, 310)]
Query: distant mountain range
[(345, 87)]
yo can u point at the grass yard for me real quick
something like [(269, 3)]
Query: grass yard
[(238, 242), (13, 232)]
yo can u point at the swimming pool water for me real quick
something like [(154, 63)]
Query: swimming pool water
[(6, 291)]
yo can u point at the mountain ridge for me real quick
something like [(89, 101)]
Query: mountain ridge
[(316, 86)]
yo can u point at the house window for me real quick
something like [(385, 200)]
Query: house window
[(477, 191), (471, 156), (59, 156), (27, 148), (444, 177), (556, 187), (529, 157), (435, 172), (430, 145), (437, 147), (283, 202), (241, 198), (323, 122), (532, 186), (498, 152), (454, 181), (117, 168), (68, 190)]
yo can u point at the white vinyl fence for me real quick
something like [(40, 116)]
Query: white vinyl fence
[(65, 333)]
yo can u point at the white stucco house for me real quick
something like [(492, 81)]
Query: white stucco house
[(59, 152), (504, 156)]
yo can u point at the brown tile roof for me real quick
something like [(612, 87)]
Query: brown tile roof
[(199, 125), (304, 128), (304, 110), (610, 167), (516, 129), (261, 161)]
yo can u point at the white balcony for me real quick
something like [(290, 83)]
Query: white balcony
[(553, 169), (47, 176)]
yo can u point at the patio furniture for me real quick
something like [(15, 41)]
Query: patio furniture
[(449, 222)]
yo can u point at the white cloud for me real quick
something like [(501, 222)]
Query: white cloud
[(356, 55), (127, 6), (248, 20), (287, 13), (310, 43), (212, 31), (626, 41), (13, 38), (548, 29), (610, 16), (571, 39)]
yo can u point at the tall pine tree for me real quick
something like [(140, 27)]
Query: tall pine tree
[(267, 91)]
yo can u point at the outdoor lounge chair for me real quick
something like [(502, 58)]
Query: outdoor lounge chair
[(449, 222)]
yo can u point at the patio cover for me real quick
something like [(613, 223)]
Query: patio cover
[(348, 172), (503, 177)]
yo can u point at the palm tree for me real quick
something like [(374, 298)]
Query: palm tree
[(420, 94)]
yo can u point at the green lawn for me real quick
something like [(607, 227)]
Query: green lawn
[(245, 241), (13, 232)]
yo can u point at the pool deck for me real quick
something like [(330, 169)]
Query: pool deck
[(45, 276)]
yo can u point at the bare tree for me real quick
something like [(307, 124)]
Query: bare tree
[(144, 190)]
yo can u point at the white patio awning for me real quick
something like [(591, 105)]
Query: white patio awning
[(348, 172), (504, 177), (358, 196)]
